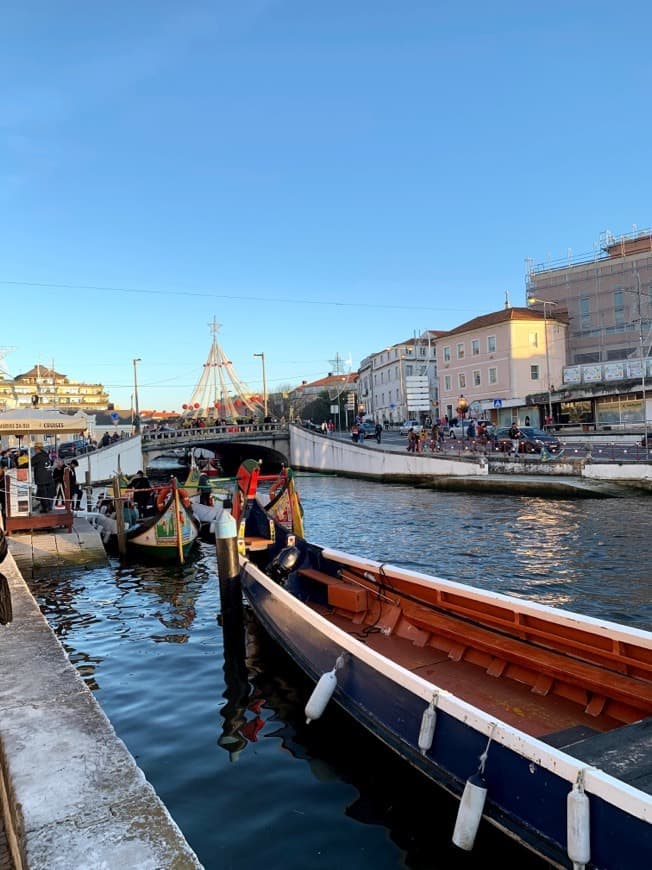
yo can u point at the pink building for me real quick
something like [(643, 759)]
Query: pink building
[(503, 366)]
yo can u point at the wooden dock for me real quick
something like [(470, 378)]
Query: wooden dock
[(39, 550)]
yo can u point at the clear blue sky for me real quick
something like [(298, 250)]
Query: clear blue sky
[(323, 178)]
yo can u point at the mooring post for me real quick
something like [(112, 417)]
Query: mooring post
[(89, 490), (228, 566), (119, 516)]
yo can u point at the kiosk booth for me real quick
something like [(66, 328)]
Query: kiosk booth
[(31, 425)]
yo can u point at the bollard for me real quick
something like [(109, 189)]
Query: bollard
[(228, 565)]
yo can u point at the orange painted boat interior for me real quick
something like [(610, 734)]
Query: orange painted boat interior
[(534, 673)]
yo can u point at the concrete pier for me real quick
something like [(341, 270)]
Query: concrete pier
[(71, 795)]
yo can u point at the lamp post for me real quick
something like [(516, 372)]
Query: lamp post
[(136, 411), (262, 358), (462, 405), (531, 301)]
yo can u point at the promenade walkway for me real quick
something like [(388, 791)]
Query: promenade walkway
[(70, 793)]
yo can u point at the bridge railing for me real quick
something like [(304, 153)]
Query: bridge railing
[(209, 433)]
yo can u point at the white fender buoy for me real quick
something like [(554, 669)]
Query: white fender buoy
[(427, 730), (578, 828), (321, 695), (470, 812)]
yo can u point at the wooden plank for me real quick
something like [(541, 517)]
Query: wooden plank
[(342, 595), (637, 693), (625, 753), (254, 543)]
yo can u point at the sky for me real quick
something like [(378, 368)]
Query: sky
[(324, 179)]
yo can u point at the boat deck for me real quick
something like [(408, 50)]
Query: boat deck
[(624, 751)]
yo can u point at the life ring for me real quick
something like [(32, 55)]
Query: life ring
[(184, 498), (162, 497)]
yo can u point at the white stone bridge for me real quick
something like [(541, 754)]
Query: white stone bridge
[(233, 443)]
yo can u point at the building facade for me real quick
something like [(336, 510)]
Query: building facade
[(607, 297), (400, 382), (503, 366), (47, 388)]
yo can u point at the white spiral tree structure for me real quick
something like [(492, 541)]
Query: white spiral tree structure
[(220, 394)]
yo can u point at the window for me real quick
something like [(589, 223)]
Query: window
[(534, 339), (448, 386), (493, 376), (409, 371), (491, 344), (476, 378), (534, 373), (619, 307), (585, 312), (461, 381), (475, 347), (447, 354), (460, 350)]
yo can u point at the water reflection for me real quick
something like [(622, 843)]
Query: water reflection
[(187, 696)]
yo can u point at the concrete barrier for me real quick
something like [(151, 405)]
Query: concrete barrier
[(311, 451), (104, 463)]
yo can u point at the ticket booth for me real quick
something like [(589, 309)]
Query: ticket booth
[(32, 425)]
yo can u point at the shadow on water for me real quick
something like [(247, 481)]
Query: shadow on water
[(266, 694)]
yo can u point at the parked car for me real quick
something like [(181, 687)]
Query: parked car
[(410, 424), (532, 440), (68, 449), (369, 428), (456, 430)]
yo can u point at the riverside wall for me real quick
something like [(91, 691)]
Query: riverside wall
[(312, 451), (71, 795)]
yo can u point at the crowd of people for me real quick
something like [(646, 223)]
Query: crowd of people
[(56, 482)]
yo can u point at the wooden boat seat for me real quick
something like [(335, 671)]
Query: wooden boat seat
[(600, 681), (255, 543), (340, 594)]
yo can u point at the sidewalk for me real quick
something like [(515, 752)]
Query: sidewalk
[(73, 795)]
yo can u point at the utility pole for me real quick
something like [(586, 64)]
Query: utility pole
[(262, 357), (136, 410), (531, 300)]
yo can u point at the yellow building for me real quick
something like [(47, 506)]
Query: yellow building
[(46, 388)]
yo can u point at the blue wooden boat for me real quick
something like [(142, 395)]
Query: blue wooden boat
[(538, 719)]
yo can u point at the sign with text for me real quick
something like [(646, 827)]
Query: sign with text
[(417, 390)]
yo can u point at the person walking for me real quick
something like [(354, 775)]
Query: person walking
[(57, 481), (75, 489), (515, 435), (42, 475), (379, 432)]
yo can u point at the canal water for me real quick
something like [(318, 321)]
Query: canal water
[(223, 739)]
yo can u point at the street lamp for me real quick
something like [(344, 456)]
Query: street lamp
[(262, 359), (137, 413), (462, 405), (531, 301)]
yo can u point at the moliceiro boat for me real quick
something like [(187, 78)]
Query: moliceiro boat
[(167, 535), (170, 533), (538, 719)]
